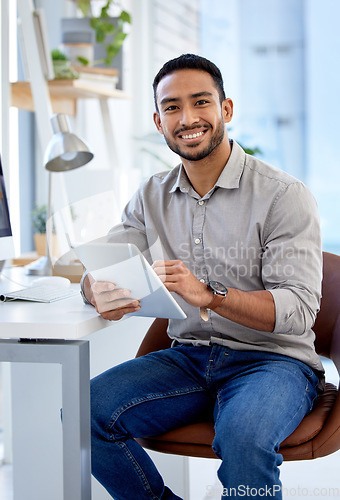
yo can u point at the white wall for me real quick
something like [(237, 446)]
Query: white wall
[(323, 83)]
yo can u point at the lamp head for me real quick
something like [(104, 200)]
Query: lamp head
[(65, 150)]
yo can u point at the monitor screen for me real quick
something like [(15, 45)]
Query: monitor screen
[(6, 239)]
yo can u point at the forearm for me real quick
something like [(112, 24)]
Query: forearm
[(254, 310)]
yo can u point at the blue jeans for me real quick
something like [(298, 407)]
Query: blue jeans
[(256, 400)]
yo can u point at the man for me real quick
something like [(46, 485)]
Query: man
[(239, 243)]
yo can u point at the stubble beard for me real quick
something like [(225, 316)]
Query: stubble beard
[(216, 140)]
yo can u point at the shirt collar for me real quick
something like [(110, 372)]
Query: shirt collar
[(182, 182), (230, 176)]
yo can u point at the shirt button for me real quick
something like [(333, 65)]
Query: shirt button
[(197, 241), (201, 202), (202, 280)]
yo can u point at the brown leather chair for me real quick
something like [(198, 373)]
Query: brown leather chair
[(318, 434)]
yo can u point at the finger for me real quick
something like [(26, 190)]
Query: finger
[(166, 263), (169, 278), (104, 306), (172, 271), (163, 268), (109, 293), (118, 314), (102, 286), (90, 278)]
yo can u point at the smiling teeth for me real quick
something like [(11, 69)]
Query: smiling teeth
[(192, 136)]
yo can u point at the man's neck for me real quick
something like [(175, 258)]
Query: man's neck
[(203, 174)]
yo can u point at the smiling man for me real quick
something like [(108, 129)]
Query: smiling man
[(238, 241), (199, 139)]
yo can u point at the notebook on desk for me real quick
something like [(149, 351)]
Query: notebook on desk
[(125, 266)]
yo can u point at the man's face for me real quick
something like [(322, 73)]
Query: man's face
[(191, 116)]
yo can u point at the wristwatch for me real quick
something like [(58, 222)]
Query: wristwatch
[(220, 291)]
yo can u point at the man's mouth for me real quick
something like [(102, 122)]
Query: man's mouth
[(190, 135)]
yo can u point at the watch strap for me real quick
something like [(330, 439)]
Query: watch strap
[(217, 299)]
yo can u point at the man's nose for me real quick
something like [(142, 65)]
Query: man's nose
[(189, 116)]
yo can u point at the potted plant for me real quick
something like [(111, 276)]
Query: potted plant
[(62, 66), (38, 218), (106, 32)]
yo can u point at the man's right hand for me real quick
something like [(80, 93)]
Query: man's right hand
[(110, 302)]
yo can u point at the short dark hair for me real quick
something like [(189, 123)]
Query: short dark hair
[(190, 61)]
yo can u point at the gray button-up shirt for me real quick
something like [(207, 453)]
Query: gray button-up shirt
[(257, 229)]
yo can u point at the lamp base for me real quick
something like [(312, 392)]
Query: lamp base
[(40, 267)]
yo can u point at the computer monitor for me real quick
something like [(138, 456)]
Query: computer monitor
[(6, 237)]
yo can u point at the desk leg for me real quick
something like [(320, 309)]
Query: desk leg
[(73, 355), (76, 423)]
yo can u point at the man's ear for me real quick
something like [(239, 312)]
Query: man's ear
[(157, 120), (227, 110)]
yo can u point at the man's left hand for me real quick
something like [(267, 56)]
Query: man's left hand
[(178, 278)]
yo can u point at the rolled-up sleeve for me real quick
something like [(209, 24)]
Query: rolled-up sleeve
[(292, 259)]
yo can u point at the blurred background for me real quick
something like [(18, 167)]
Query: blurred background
[(279, 63)]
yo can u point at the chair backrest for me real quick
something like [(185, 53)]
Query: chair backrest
[(329, 315)]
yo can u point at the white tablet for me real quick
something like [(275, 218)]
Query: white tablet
[(125, 266)]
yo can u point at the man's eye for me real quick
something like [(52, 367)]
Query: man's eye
[(170, 108), (201, 102)]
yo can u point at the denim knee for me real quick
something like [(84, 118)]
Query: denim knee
[(241, 436), (102, 408)]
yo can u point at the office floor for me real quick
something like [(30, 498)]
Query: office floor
[(301, 480)]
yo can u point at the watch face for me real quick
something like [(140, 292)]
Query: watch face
[(218, 287)]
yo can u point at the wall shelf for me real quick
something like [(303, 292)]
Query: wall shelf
[(64, 94)]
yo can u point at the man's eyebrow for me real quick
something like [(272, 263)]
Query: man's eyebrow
[(202, 94), (168, 100)]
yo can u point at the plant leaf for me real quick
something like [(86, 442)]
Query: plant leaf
[(113, 48), (100, 34), (117, 42), (119, 39), (108, 28), (104, 11), (95, 22), (85, 7), (125, 17), (83, 60)]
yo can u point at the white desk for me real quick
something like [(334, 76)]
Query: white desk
[(57, 328), (39, 467)]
